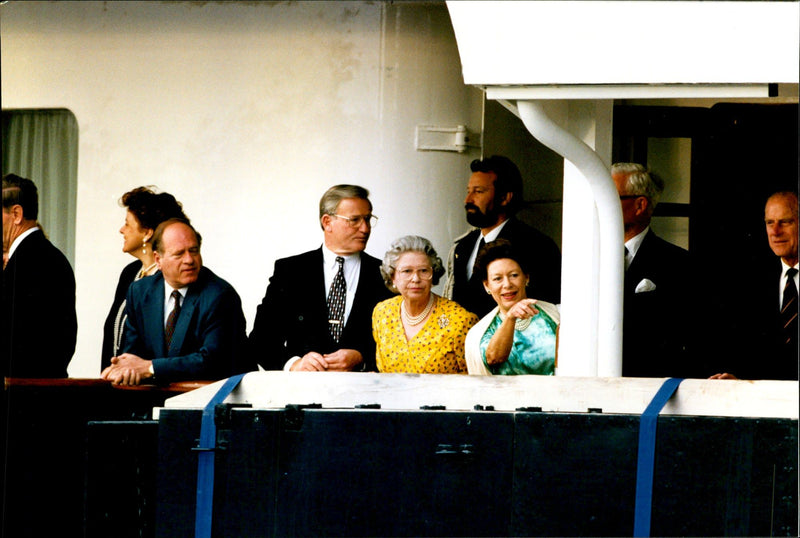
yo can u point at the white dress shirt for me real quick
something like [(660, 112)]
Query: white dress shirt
[(352, 270), (632, 245), (488, 238), (169, 302)]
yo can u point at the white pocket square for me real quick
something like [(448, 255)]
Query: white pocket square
[(645, 285)]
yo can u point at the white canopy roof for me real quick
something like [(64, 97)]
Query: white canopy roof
[(535, 43)]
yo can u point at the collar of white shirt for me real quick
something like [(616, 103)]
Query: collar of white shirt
[(786, 267), (488, 238), (168, 298), (352, 265), (19, 239), (635, 242), (491, 236), (784, 276)]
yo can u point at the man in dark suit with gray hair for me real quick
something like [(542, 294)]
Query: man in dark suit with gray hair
[(316, 315), (764, 333), (656, 334), (39, 321)]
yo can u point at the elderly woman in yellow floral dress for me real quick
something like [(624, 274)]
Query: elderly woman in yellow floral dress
[(418, 331)]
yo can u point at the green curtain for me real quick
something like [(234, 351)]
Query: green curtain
[(42, 145)]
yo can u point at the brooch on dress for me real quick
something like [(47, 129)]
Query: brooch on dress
[(444, 321)]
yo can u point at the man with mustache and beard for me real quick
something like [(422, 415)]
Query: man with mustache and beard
[(494, 195)]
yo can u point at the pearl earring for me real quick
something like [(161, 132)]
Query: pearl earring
[(144, 247)]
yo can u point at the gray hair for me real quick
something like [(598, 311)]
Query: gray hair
[(791, 200), (409, 243), (640, 182), (329, 202)]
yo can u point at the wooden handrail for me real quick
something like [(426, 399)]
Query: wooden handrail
[(177, 387)]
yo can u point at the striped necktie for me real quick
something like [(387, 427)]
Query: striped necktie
[(788, 315)]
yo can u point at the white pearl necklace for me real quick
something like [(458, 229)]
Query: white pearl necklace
[(145, 271), (416, 320), (522, 324), (519, 324)]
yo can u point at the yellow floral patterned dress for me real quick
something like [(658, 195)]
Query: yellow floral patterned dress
[(438, 347)]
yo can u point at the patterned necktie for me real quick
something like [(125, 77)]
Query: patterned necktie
[(172, 319), (789, 308), (336, 297)]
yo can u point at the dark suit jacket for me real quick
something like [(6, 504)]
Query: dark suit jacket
[(125, 279), (657, 325), (292, 320), (39, 321), (545, 283), (752, 335), (209, 337)]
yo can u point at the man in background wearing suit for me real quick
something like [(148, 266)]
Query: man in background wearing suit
[(494, 195), (764, 329), (39, 321), (184, 323), (656, 331), (317, 312)]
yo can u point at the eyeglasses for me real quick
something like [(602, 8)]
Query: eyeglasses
[(355, 222), (629, 196), (406, 273)]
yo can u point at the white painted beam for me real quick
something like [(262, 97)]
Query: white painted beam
[(627, 91)]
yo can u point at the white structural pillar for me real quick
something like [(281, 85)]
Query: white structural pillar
[(590, 339)]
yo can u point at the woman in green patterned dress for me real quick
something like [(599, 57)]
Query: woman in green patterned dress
[(520, 335)]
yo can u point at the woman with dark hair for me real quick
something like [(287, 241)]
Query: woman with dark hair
[(519, 336), (418, 332), (146, 209)]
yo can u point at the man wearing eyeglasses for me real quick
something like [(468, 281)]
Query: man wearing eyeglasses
[(317, 312), (656, 330)]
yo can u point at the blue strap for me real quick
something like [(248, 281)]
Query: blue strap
[(205, 461), (647, 456)]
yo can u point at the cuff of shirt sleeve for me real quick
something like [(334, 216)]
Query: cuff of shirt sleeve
[(288, 366)]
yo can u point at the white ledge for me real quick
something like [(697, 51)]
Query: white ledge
[(615, 395)]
